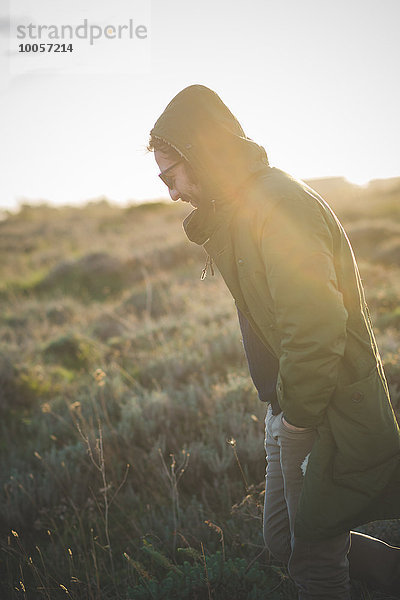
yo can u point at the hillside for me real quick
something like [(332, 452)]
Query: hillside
[(131, 436)]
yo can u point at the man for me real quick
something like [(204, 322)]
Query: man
[(332, 440)]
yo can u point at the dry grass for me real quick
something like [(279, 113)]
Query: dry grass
[(114, 353)]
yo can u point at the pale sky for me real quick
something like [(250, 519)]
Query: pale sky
[(316, 82)]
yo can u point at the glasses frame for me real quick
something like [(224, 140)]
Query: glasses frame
[(167, 179)]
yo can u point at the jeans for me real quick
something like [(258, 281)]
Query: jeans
[(319, 569)]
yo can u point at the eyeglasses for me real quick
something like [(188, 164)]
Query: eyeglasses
[(167, 179)]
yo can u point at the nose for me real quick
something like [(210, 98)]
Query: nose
[(175, 195)]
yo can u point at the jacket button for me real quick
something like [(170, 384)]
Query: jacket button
[(240, 261), (357, 397)]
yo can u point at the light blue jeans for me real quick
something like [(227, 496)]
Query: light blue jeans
[(319, 569)]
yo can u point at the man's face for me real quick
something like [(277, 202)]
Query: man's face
[(182, 185)]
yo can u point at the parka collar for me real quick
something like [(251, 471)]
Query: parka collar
[(201, 223)]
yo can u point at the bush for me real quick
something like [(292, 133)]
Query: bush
[(70, 350)]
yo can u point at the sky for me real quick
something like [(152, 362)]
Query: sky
[(314, 81)]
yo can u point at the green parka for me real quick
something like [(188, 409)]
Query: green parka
[(290, 268)]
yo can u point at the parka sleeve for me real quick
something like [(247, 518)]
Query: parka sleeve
[(297, 250)]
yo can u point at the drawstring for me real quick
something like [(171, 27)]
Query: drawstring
[(209, 263)]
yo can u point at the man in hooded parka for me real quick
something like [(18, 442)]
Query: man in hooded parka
[(331, 437)]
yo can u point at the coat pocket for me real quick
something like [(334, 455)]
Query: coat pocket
[(364, 429), (295, 432)]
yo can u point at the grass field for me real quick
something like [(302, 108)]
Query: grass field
[(131, 450)]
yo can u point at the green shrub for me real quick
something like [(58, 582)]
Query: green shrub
[(71, 351), (209, 577)]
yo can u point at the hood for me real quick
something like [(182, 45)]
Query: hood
[(203, 130)]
